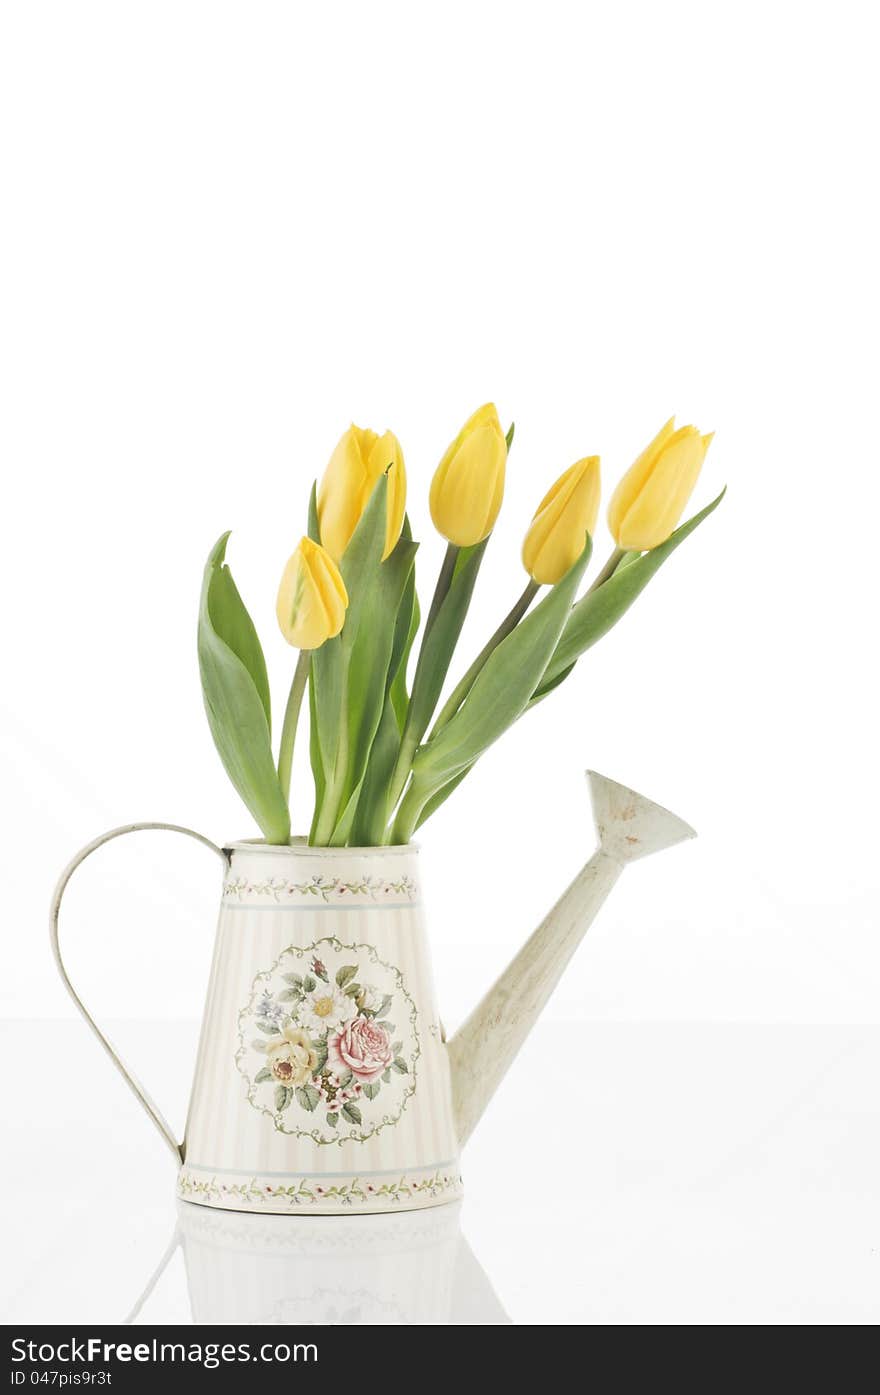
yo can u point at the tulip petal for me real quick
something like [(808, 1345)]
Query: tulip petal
[(344, 489), (312, 598), (654, 511), (468, 484), (633, 481), (567, 511), (386, 457)]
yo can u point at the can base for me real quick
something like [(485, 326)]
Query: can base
[(332, 1194)]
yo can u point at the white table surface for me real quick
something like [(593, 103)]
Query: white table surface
[(694, 1173)]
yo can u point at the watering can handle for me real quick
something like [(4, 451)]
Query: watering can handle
[(140, 1092)]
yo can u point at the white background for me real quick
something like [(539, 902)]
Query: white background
[(228, 231)]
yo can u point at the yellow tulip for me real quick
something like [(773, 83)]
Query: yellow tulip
[(565, 515), (354, 469), (312, 598), (468, 484), (650, 499)]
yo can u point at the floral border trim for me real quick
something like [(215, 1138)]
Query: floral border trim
[(355, 1191), (315, 1134), (326, 890)]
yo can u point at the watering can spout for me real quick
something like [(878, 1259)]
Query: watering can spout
[(629, 827)]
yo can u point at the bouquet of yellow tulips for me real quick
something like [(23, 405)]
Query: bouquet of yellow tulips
[(383, 758)]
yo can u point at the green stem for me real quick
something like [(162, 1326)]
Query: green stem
[(408, 814), (508, 624), (411, 737), (335, 788), (444, 581), (609, 568), (327, 816), (291, 720)]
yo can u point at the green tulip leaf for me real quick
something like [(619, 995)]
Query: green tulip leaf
[(438, 644), (441, 796), (596, 612), (315, 757), (235, 689), (368, 825), (558, 669), (312, 527), (359, 566), (362, 559), (326, 703), (368, 670), (405, 630), (225, 612), (546, 688), (503, 686), (399, 690)]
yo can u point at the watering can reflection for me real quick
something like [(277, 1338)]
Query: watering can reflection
[(410, 1268), (324, 1082)]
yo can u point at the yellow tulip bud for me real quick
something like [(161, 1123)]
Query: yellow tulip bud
[(650, 499), (312, 598), (468, 484), (354, 469), (565, 515)]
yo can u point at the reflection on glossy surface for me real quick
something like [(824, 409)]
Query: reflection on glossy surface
[(761, 1205), (412, 1268)]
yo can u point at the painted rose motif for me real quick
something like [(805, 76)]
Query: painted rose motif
[(321, 1038), (362, 1047), (294, 1059)]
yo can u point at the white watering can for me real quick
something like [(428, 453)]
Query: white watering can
[(323, 1082)]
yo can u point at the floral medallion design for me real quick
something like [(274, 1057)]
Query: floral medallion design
[(329, 1042)]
